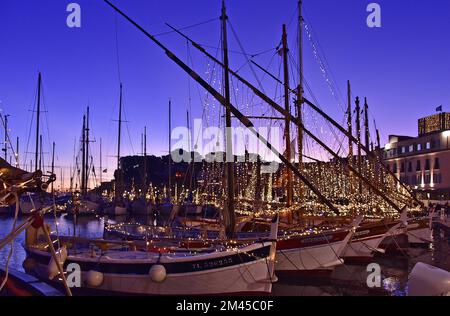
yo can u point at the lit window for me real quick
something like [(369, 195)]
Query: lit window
[(428, 145), (403, 150), (411, 148), (419, 147)]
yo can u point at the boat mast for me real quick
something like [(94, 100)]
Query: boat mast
[(349, 122), (358, 137), (366, 123), (300, 92), (188, 124), (287, 128), (38, 117), (170, 150), (40, 152), (145, 161), (17, 153), (83, 158), (6, 137), (53, 165), (120, 128), (86, 179), (101, 168), (229, 216)]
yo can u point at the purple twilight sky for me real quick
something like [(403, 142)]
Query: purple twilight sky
[(403, 67)]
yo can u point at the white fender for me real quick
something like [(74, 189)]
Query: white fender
[(94, 278), (52, 267), (426, 280), (158, 273)]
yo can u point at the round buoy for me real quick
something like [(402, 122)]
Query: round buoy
[(94, 278), (158, 273), (29, 264)]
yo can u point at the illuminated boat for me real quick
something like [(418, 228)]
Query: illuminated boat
[(151, 269)]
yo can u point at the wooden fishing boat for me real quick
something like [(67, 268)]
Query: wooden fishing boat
[(227, 269)]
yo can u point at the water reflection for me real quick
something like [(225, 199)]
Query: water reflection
[(345, 280)]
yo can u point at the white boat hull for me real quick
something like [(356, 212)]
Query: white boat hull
[(210, 274), (322, 257)]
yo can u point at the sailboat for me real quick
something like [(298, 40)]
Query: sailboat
[(81, 203), (35, 201)]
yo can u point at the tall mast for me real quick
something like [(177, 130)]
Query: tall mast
[(38, 118), (287, 128), (170, 149), (145, 161), (40, 152), (300, 94), (120, 128), (53, 165), (358, 137), (17, 153), (101, 168), (366, 123), (83, 158), (349, 122), (229, 216), (6, 137), (86, 179), (189, 147)]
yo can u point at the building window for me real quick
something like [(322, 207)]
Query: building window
[(419, 166), (428, 145), (411, 148), (427, 179), (388, 166), (437, 178), (418, 178), (410, 168), (427, 165), (403, 150), (394, 167), (437, 164), (419, 147), (402, 167)]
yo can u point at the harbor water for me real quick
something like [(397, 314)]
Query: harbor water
[(347, 279)]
